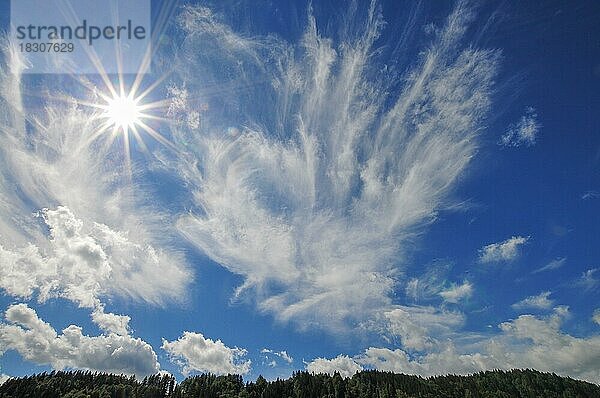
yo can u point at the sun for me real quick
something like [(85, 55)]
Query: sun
[(123, 112), (127, 114)]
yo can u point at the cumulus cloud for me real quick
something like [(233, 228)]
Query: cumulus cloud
[(554, 264), (447, 360), (526, 342), (36, 341), (342, 364), (524, 132), (333, 156), (541, 301), (456, 293), (548, 349), (195, 353), (507, 250), (111, 323), (83, 262)]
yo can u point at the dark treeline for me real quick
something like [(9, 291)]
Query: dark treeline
[(366, 384)]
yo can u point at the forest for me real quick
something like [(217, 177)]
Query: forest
[(369, 383)]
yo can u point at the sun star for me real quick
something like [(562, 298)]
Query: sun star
[(123, 112), (125, 109)]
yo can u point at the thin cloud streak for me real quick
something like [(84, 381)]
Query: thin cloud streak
[(554, 264), (590, 195), (540, 301)]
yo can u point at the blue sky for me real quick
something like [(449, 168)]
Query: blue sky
[(401, 186)]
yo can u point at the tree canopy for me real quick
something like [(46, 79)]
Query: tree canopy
[(369, 383)]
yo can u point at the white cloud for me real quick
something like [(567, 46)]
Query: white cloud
[(281, 354), (507, 250), (193, 352), (548, 349), (412, 289), (285, 356), (36, 341), (527, 342), (457, 293), (418, 326), (334, 158), (523, 133), (541, 301), (447, 360), (341, 364), (111, 323), (596, 316), (84, 261), (589, 279), (430, 283), (554, 264)]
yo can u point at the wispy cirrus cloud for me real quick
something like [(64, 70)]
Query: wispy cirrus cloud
[(554, 264), (434, 283), (590, 195), (315, 203), (507, 250), (540, 301), (429, 283), (421, 327), (456, 293), (589, 279), (280, 354), (524, 132)]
